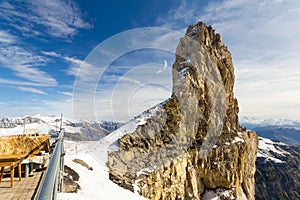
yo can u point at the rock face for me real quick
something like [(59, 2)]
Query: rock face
[(192, 145), (70, 180)]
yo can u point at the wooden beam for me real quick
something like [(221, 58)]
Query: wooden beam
[(1, 175), (12, 174)]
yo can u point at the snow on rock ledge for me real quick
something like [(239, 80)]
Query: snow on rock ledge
[(271, 150)]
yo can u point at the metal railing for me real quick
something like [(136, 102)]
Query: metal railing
[(53, 180)]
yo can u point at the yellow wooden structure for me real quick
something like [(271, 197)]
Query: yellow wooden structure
[(30, 132), (10, 162), (14, 149)]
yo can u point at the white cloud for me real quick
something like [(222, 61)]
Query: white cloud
[(32, 90), (140, 88), (66, 93), (122, 78), (51, 53), (86, 69), (3, 104), (56, 107), (6, 38), (45, 107), (18, 82), (123, 55), (127, 100), (25, 65), (57, 18), (263, 39)]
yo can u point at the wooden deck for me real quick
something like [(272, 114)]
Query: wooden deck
[(26, 189)]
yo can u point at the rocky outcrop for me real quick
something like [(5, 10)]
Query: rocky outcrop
[(71, 178), (192, 144)]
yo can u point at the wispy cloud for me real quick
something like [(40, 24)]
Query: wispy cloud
[(45, 107), (129, 80), (18, 82), (58, 106), (122, 65), (3, 104), (250, 27), (86, 69), (32, 90), (56, 18), (136, 90), (263, 39), (181, 16), (6, 38), (66, 93), (51, 53), (25, 64), (127, 100)]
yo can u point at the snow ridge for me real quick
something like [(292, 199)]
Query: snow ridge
[(271, 150)]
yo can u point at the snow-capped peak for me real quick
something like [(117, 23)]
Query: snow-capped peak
[(269, 122)]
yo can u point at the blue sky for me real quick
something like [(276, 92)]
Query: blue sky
[(47, 47)]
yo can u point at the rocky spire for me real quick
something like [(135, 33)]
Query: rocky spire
[(192, 145)]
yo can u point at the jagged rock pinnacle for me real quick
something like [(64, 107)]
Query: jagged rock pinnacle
[(192, 144)]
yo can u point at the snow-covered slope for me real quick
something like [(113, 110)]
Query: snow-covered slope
[(95, 184), (271, 150), (277, 171)]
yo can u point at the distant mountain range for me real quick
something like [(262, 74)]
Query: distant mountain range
[(74, 129), (284, 130)]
